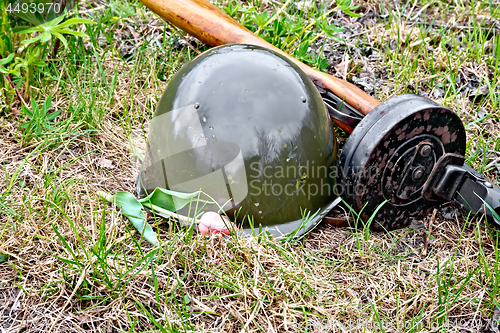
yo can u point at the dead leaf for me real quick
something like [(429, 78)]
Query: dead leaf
[(135, 34), (343, 67), (366, 72), (105, 163)]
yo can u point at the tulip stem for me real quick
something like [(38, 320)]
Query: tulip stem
[(186, 219)]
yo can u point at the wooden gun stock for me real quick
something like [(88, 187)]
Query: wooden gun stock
[(212, 26)]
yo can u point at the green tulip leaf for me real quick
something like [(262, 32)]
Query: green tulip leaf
[(132, 209), (162, 201), (169, 200)]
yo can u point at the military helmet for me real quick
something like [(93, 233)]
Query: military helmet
[(249, 128)]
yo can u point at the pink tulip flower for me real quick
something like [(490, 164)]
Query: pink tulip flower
[(211, 222)]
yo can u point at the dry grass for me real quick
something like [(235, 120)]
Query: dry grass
[(73, 264)]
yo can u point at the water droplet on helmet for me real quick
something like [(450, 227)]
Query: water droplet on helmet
[(204, 119), (303, 99), (211, 127), (196, 105), (247, 90)]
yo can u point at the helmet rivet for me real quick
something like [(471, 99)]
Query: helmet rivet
[(303, 99), (197, 105), (426, 150), (417, 173)]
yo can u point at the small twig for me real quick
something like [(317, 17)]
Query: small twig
[(18, 93), (428, 234), (421, 10), (252, 316), (420, 42), (492, 164), (11, 255), (358, 34), (22, 320), (337, 221), (78, 284), (427, 78), (345, 61)]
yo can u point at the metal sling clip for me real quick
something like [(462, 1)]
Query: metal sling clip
[(338, 109)]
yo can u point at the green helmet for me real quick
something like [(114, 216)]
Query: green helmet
[(249, 128)]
